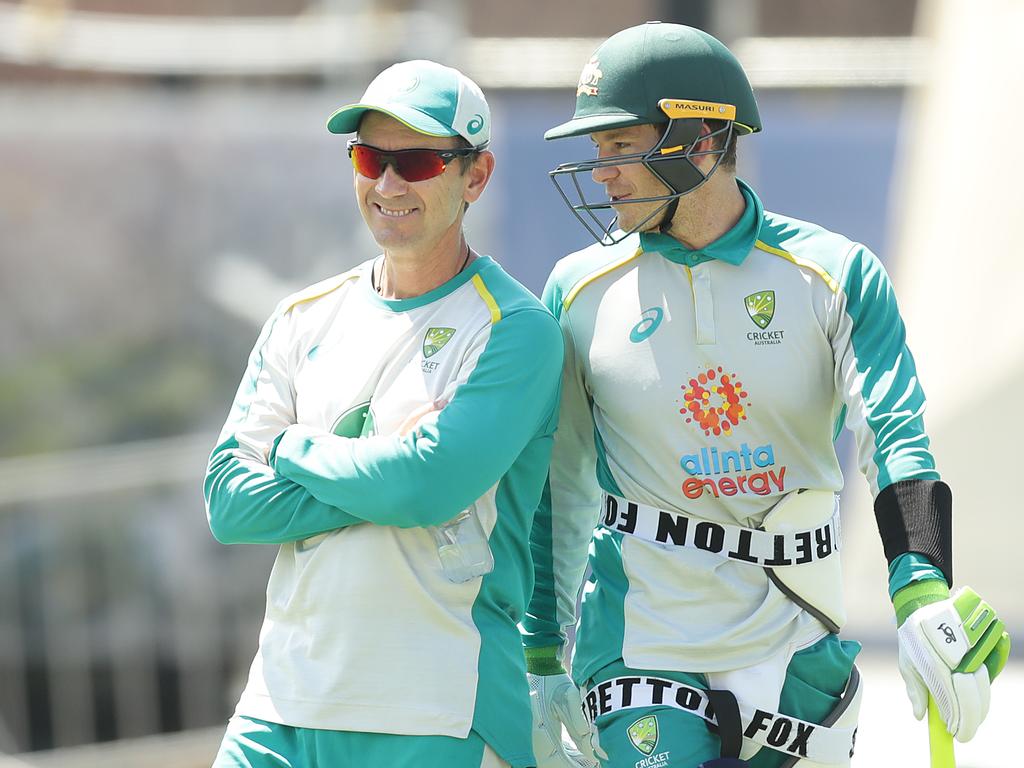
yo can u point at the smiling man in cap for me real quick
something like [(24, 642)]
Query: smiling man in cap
[(391, 435)]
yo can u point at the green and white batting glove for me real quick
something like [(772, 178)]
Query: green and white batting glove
[(555, 701), (951, 647)]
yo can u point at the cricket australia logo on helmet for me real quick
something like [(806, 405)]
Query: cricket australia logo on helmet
[(589, 77)]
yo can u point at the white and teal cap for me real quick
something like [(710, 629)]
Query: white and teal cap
[(426, 96)]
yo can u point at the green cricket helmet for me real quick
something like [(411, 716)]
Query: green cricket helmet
[(668, 75)]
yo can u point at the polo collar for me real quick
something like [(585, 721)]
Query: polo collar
[(732, 247)]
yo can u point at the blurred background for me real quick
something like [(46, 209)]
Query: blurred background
[(166, 178)]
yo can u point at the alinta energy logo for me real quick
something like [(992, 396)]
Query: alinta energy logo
[(716, 403)]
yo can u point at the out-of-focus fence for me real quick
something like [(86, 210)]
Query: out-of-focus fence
[(116, 618)]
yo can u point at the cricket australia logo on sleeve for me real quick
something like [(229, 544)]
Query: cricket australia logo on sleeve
[(643, 734)]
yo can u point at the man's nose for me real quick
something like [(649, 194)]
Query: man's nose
[(390, 183), (604, 173)]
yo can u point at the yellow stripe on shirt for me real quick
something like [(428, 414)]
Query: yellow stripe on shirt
[(319, 290), (492, 305), (571, 296), (829, 281)]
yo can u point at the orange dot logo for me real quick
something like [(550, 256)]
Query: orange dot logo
[(713, 400)]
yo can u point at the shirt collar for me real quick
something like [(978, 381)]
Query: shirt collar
[(732, 247)]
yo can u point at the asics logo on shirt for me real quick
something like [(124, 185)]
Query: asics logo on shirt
[(651, 320)]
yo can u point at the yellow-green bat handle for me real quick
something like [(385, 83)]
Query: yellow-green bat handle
[(940, 741)]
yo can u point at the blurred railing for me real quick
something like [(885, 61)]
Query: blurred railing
[(49, 34), (317, 43), (120, 616)]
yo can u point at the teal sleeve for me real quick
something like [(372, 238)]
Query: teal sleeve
[(910, 568), (540, 627), (246, 501), (877, 378), (429, 475), (564, 523)]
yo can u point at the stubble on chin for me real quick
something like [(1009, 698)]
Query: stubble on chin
[(637, 218)]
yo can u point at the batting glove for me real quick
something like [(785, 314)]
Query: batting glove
[(950, 647), (555, 701)]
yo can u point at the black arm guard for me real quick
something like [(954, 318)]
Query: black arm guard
[(917, 516)]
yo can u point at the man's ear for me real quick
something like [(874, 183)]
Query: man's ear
[(478, 174)]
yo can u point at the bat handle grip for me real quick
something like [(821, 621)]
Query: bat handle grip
[(940, 741)]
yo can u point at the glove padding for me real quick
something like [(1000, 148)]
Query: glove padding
[(555, 701), (953, 649)]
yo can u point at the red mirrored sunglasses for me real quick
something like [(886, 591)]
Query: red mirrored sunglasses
[(410, 164)]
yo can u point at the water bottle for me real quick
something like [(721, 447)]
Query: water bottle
[(462, 547)]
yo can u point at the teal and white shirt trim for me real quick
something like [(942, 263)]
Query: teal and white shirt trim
[(711, 384), (363, 632)]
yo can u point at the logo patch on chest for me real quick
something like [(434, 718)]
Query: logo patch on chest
[(761, 308), (435, 339)]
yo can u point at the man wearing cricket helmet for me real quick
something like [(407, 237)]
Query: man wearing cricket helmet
[(714, 350)]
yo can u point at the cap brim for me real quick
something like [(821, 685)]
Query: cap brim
[(580, 126), (346, 119)]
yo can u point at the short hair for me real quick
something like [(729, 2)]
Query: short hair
[(729, 156), (466, 161)]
